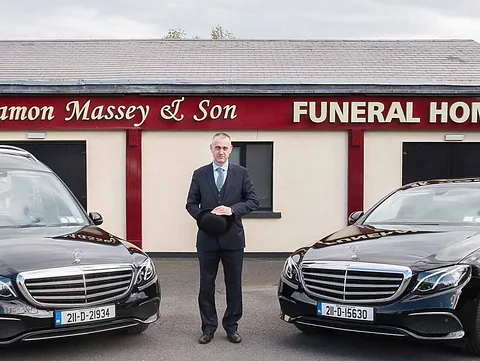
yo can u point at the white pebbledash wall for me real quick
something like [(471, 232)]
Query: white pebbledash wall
[(310, 181), (105, 171), (309, 188), (383, 159)]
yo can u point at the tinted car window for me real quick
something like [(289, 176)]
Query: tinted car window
[(32, 198), (442, 204)]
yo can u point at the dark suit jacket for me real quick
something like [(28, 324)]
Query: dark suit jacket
[(237, 192)]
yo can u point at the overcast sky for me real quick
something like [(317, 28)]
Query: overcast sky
[(246, 19)]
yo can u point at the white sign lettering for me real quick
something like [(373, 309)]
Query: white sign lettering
[(459, 112), (109, 112), (207, 110), (216, 111), (26, 113), (365, 113), (376, 112), (167, 113), (354, 112)]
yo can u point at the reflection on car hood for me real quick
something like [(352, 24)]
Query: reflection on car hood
[(417, 249), (45, 247)]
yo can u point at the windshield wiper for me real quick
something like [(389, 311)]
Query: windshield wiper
[(64, 224), (422, 223), (39, 225), (31, 225), (397, 223)]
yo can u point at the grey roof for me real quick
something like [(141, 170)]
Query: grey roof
[(164, 64)]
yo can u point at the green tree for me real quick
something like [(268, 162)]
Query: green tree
[(217, 33), (175, 34)]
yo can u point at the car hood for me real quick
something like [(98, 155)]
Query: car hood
[(43, 247), (418, 249)]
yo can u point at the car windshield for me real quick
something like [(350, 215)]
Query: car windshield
[(441, 204), (36, 199)]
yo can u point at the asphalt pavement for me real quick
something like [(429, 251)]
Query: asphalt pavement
[(265, 336)]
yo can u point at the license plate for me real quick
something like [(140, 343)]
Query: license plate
[(345, 311), (70, 317)]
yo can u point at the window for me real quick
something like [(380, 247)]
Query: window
[(36, 199), (432, 205), (257, 157)]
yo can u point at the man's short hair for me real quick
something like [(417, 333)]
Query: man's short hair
[(221, 135)]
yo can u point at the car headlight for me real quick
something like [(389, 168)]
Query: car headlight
[(290, 270), (146, 274), (442, 279), (6, 290)]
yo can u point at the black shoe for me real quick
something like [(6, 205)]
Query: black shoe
[(206, 337), (234, 337)]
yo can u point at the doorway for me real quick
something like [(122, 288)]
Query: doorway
[(431, 160), (68, 159)]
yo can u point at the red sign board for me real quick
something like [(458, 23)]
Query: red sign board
[(238, 112)]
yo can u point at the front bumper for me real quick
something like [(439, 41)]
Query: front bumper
[(433, 317), (21, 322)]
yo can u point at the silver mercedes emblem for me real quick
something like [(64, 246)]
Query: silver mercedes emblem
[(354, 252), (77, 256)]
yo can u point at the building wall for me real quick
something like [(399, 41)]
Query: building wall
[(105, 172), (383, 159), (309, 188)]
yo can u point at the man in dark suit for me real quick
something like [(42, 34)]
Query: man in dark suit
[(227, 190)]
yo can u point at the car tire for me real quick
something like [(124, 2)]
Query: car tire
[(472, 323), (136, 330), (309, 330)]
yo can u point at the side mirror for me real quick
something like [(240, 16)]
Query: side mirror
[(354, 216), (96, 218)]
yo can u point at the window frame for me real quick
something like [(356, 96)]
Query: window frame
[(263, 212)]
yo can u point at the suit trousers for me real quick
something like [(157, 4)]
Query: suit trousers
[(232, 262)]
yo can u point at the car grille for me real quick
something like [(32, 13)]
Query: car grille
[(354, 282), (76, 286)]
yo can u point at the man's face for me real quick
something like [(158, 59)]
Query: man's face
[(221, 149)]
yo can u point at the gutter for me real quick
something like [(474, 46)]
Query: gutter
[(113, 88)]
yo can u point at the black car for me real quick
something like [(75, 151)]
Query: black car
[(62, 275), (408, 267)]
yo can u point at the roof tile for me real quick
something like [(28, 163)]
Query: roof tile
[(419, 62)]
